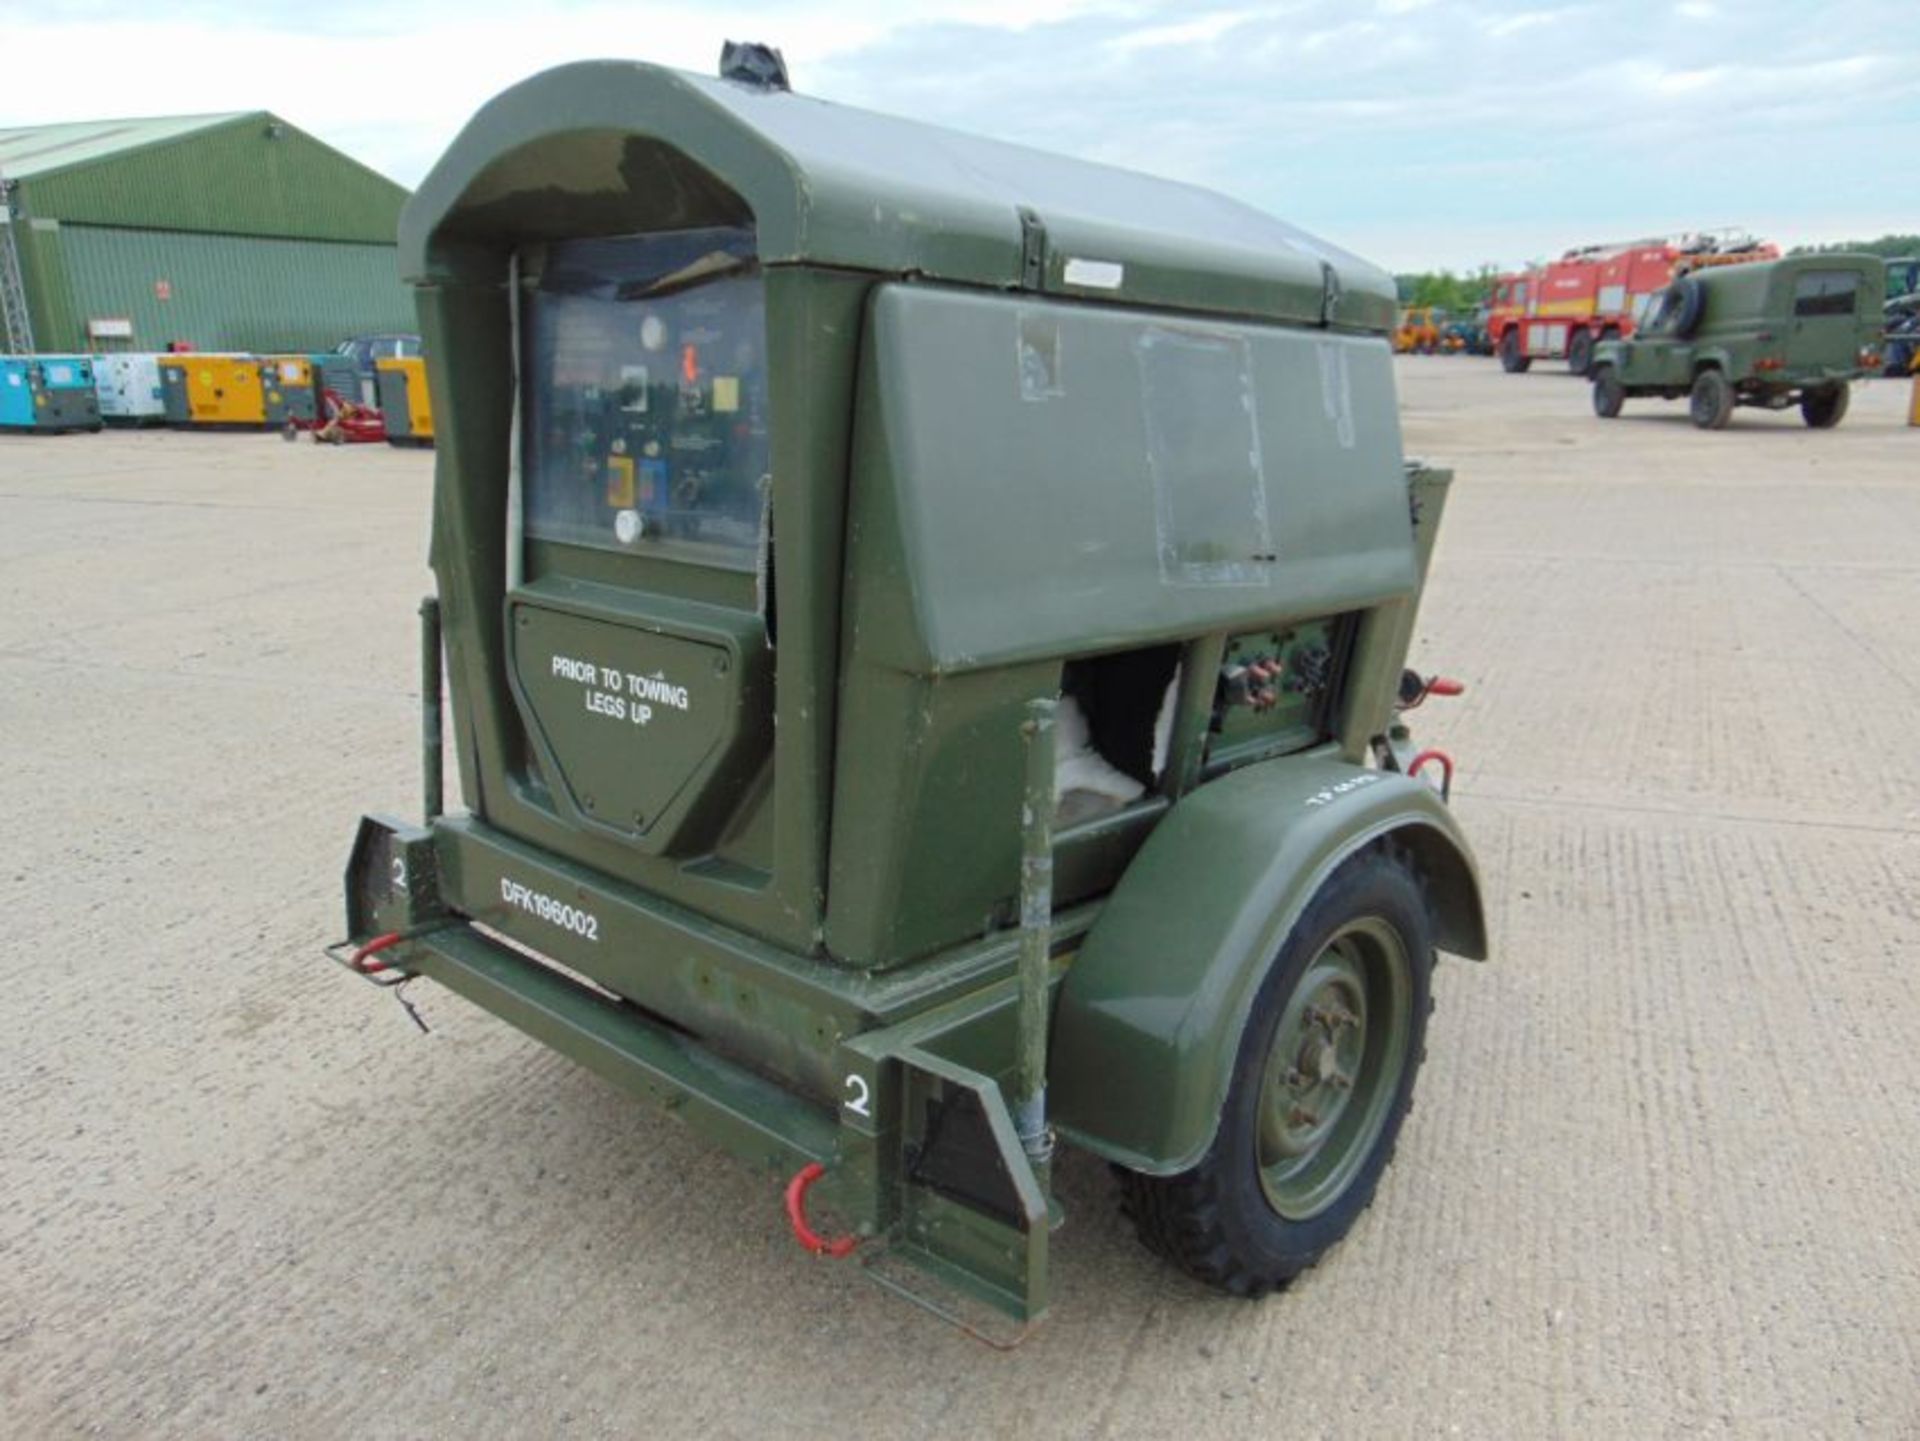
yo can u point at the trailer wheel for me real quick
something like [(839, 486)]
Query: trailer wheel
[(1824, 408), (1511, 360), (1580, 353), (1608, 393), (1321, 1083), (1711, 402)]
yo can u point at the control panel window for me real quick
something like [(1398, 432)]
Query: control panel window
[(646, 396)]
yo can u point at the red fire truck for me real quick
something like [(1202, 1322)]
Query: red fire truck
[(1562, 309)]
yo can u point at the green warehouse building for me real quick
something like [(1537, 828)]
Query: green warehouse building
[(226, 232)]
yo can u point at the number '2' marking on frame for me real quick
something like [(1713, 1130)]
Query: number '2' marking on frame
[(857, 1100)]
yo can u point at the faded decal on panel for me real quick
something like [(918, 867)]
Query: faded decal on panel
[(1336, 390), (1203, 449), (1038, 355)]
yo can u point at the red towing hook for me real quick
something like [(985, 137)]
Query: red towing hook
[(1415, 688), (809, 1238), (1445, 763), (362, 959)]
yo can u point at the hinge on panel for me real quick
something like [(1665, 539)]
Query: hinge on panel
[(1033, 250), (1329, 292)]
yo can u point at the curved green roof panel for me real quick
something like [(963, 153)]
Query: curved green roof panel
[(613, 147)]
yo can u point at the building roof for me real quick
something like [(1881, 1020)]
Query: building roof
[(242, 172), (30, 150)]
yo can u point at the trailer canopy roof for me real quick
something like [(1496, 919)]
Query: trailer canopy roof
[(614, 147)]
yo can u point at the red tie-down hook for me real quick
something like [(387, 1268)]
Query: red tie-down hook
[(809, 1238), (1444, 761), (1415, 688), (362, 960)]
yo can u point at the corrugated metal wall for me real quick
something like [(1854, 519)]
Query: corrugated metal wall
[(230, 292), (236, 179), (261, 237)]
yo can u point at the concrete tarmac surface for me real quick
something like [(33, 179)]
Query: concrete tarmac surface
[(1663, 1176)]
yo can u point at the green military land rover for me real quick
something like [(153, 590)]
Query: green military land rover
[(1769, 334)]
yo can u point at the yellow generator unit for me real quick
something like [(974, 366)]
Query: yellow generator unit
[(292, 391), (404, 400), (213, 390)]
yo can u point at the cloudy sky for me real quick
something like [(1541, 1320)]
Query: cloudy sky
[(1417, 132)]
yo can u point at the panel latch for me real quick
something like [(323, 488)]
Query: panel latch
[(1033, 250)]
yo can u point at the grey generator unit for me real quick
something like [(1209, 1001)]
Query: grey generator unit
[(129, 386)]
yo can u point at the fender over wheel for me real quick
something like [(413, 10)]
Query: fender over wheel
[(1322, 1080)]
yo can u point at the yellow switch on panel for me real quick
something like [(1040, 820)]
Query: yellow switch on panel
[(620, 481)]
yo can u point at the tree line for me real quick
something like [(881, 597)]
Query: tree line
[(1460, 294), (1889, 247)]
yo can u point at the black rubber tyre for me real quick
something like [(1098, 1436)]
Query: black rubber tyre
[(1608, 393), (1711, 401), (1220, 1221), (1580, 353), (1824, 408), (1511, 360)]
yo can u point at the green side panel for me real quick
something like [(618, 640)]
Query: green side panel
[(1149, 1017), (926, 814), (572, 151), (43, 271), (254, 175), (229, 292), (1386, 632), (1044, 478), (1736, 290)]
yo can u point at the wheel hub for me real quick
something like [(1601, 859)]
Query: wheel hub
[(1336, 1057)]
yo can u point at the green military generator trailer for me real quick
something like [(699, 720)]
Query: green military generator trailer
[(925, 621)]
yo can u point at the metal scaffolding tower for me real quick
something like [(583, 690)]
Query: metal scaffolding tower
[(16, 325)]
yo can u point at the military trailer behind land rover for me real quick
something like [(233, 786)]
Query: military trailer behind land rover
[(925, 621), (1768, 333)]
